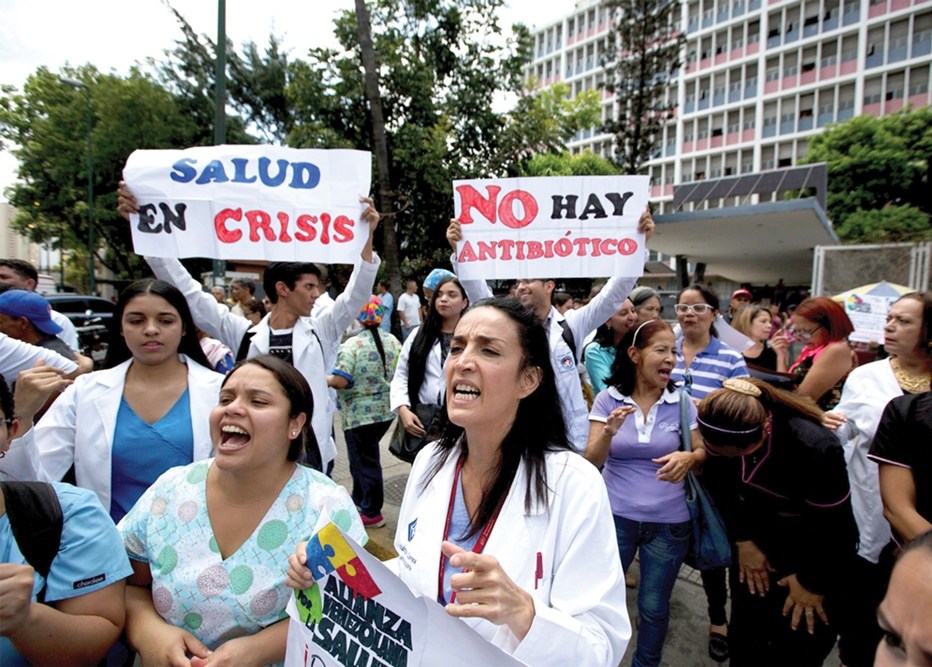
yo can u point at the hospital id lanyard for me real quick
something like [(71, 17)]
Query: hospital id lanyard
[(480, 543)]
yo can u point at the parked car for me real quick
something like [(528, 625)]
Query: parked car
[(91, 316), (82, 308)]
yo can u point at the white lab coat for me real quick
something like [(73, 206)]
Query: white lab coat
[(80, 425), (315, 341), (581, 322), (433, 388), (16, 356), (580, 614), (866, 393)]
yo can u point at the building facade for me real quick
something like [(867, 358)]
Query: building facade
[(758, 78)]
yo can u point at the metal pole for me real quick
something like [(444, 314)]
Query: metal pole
[(91, 236), (220, 99)]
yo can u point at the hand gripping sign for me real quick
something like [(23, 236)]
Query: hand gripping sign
[(554, 226), (358, 612), (250, 202)]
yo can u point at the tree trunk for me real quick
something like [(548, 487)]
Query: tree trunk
[(383, 179)]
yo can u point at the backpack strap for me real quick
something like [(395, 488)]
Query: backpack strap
[(569, 338), (244, 344), (36, 521)]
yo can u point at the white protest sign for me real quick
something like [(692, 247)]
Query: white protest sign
[(553, 226), (250, 202), (359, 613), (868, 314)]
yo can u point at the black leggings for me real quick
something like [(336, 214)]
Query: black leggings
[(713, 582)]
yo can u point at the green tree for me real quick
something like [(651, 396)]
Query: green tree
[(542, 124), (586, 163), (878, 174), (890, 224), (440, 65), (641, 58), (46, 126)]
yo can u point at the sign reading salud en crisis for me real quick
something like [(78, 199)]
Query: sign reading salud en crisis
[(552, 226), (250, 202)]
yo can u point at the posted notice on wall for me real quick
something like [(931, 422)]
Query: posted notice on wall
[(250, 202), (551, 226), (359, 613)]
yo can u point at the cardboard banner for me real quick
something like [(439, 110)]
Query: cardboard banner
[(868, 314), (553, 226), (250, 203), (359, 613)]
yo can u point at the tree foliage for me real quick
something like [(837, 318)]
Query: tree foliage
[(642, 58), (878, 175), (586, 163), (47, 126)]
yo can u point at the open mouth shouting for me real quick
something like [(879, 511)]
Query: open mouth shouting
[(233, 438), (465, 392)]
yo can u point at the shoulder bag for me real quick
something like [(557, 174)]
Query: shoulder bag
[(710, 547)]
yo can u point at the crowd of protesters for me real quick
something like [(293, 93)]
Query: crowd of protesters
[(555, 428)]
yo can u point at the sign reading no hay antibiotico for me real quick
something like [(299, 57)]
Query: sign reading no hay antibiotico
[(250, 202), (553, 226)]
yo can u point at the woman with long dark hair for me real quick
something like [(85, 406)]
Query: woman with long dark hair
[(364, 369), (207, 540), (124, 426), (501, 521), (418, 378), (780, 481), (635, 432)]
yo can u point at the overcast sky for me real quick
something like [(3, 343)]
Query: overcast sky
[(113, 35)]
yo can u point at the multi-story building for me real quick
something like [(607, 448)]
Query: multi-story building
[(758, 77)]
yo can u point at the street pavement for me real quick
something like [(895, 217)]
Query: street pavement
[(687, 637)]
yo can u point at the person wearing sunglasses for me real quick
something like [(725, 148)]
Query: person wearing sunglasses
[(703, 363), (826, 358)]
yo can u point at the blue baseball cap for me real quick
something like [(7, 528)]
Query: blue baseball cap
[(435, 277), (32, 306)]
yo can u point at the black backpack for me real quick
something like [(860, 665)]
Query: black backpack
[(36, 521)]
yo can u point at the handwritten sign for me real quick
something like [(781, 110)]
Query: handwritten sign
[(250, 202), (554, 226), (359, 613)]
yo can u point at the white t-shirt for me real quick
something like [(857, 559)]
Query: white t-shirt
[(410, 305)]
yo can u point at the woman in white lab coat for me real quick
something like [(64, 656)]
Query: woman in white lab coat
[(122, 427), (501, 521)]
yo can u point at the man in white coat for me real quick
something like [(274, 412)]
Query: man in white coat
[(288, 330), (561, 329)]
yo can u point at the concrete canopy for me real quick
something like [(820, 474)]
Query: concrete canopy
[(758, 243)]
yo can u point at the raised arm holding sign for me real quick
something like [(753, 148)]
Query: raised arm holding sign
[(554, 227), (288, 331)]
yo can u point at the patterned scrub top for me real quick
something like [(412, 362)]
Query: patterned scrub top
[(193, 587), (367, 398)]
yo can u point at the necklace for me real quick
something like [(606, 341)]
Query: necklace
[(909, 383)]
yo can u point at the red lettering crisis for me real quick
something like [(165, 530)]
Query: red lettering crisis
[(323, 228)]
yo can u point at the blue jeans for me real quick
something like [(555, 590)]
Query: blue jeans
[(663, 548), (362, 450)]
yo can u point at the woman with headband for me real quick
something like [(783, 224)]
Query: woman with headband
[(634, 436), (780, 481)]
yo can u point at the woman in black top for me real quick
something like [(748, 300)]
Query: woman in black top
[(780, 481)]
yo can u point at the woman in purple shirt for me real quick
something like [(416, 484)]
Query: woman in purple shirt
[(634, 435)]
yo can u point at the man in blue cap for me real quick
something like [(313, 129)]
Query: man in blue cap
[(27, 316)]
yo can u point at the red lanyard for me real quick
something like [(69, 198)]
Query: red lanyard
[(483, 534)]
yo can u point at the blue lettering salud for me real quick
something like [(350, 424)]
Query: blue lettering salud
[(304, 175)]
